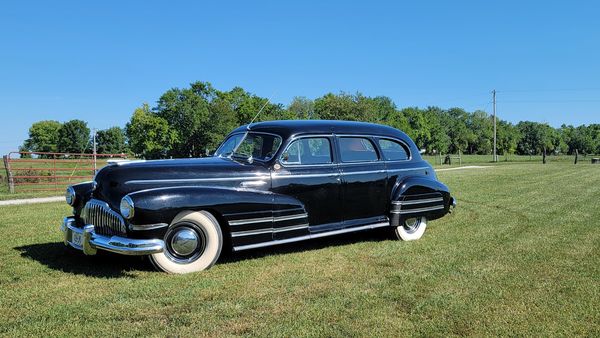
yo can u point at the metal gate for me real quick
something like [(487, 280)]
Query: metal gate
[(40, 171)]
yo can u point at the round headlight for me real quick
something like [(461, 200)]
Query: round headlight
[(70, 196), (126, 207)]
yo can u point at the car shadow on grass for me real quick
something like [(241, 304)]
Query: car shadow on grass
[(57, 256)]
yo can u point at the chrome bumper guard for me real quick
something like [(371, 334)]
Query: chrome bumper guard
[(91, 241), (452, 204)]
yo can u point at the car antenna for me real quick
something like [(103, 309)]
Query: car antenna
[(259, 111)]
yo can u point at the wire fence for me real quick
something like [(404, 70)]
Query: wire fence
[(44, 171)]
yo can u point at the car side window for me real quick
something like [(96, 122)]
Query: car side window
[(357, 149), (309, 150), (393, 151)]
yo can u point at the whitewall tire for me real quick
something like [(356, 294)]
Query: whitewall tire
[(193, 243), (411, 229)]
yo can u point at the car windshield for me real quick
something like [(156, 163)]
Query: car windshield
[(256, 146)]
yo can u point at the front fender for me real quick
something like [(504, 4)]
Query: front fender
[(161, 205), (83, 193), (417, 196)]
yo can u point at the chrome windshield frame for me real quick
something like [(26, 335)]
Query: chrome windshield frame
[(245, 135)]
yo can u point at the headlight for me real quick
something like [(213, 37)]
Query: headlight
[(126, 207), (70, 196)]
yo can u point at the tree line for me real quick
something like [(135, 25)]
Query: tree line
[(73, 137), (191, 122)]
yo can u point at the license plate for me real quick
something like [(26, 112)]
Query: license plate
[(77, 238)]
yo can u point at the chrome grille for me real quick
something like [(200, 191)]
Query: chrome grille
[(105, 220)]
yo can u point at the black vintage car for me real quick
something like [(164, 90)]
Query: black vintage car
[(268, 183)]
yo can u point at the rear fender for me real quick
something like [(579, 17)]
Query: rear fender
[(417, 196)]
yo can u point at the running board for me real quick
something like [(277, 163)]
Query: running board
[(311, 236)]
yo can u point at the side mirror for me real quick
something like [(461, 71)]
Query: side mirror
[(285, 157)]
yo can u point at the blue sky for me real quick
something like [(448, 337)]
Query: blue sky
[(98, 62)]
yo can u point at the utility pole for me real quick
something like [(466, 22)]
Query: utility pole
[(495, 157), (94, 150)]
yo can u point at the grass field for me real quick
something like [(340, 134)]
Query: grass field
[(520, 256)]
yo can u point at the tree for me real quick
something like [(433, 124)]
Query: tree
[(536, 137), (355, 107), (508, 137), (43, 137), (149, 135), (302, 108), (439, 141), (187, 113), (111, 141), (419, 126), (460, 136), (74, 137), (481, 124)]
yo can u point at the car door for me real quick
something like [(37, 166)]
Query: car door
[(307, 173), (364, 181)]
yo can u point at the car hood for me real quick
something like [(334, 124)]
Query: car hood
[(116, 180)]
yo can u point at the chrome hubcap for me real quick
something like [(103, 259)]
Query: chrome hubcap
[(184, 242), (412, 224)]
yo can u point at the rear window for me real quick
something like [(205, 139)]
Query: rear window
[(357, 149), (393, 150)]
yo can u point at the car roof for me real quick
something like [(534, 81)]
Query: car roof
[(286, 128)]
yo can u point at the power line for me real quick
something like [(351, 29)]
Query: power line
[(548, 90), (553, 101)]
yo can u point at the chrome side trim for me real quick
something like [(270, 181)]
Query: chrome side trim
[(141, 227), (289, 217), (267, 219), (305, 175), (406, 169), (346, 230), (412, 211), (248, 184), (426, 200), (191, 180), (251, 232), (311, 236), (364, 172), (251, 221), (268, 231), (291, 228), (347, 173)]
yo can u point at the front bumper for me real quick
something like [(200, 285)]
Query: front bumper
[(91, 242)]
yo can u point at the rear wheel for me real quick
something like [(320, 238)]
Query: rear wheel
[(193, 243), (411, 229)]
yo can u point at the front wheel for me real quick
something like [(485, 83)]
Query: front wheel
[(193, 243), (412, 229)]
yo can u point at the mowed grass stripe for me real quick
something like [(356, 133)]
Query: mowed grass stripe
[(520, 256)]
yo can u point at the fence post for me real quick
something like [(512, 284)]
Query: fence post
[(9, 177)]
